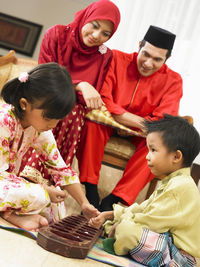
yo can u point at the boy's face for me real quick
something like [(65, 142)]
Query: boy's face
[(159, 159)]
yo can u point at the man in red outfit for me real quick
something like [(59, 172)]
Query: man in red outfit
[(138, 86)]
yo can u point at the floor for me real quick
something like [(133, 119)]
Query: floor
[(19, 251)]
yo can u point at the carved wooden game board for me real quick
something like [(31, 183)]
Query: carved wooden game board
[(70, 237)]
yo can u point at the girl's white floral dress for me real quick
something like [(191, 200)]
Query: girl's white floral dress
[(17, 193)]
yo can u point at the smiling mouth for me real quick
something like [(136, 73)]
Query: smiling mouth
[(145, 70), (92, 41), (150, 166)]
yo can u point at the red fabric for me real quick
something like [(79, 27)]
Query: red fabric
[(90, 154), (67, 132), (157, 94), (63, 44), (153, 95), (67, 135)]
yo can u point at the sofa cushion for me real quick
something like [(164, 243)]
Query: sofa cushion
[(121, 147)]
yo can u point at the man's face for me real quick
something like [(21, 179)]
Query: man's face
[(150, 59)]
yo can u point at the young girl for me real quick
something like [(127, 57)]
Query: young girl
[(165, 228), (79, 46), (37, 100)]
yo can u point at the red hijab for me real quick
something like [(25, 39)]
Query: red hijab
[(101, 10), (63, 44)]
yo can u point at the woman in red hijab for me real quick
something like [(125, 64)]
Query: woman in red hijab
[(79, 46)]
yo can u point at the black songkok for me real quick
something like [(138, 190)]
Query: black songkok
[(160, 38)]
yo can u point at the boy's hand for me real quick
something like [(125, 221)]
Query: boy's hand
[(98, 221), (89, 211), (55, 193)]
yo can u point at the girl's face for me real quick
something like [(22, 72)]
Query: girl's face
[(96, 32), (159, 159), (34, 117)]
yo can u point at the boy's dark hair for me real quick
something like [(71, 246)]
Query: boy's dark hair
[(49, 87), (168, 54), (177, 134)]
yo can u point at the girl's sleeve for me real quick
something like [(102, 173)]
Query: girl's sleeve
[(7, 159), (5, 136), (49, 154)]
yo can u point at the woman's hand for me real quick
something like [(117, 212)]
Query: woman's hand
[(91, 96), (55, 193)]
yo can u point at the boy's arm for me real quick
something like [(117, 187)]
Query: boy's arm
[(98, 221), (171, 210)]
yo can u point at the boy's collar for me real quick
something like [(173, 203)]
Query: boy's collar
[(182, 171)]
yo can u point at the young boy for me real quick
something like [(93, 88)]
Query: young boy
[(169, 220)]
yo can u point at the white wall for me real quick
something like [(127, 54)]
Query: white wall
[(44, 12), (180, 16)]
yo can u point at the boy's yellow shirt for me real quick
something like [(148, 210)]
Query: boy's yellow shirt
[(173, 207)]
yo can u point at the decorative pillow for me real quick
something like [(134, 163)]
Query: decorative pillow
[(122, 147), (103, 116)]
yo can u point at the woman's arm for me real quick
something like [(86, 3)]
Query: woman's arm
[(91, 96)]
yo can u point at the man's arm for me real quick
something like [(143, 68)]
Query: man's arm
[(130, 120)]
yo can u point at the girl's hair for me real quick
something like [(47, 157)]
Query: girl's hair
[(48, 87), (177, 134)]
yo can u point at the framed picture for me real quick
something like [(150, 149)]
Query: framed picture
[(19, 35)]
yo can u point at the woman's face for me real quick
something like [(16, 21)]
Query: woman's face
[(96, 32)]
